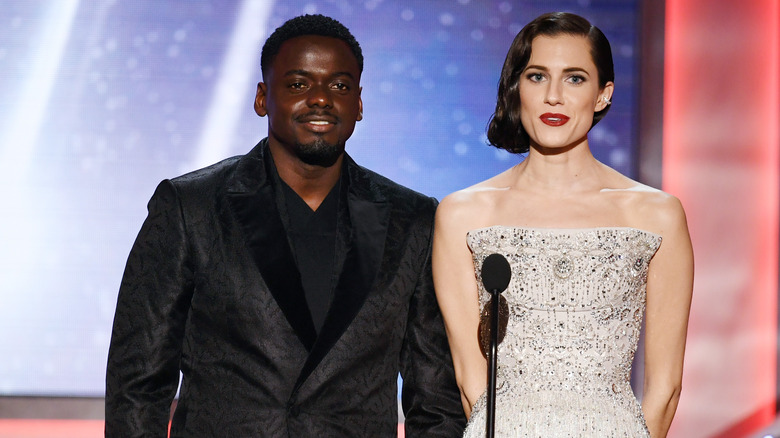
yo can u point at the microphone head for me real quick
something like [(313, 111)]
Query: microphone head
[(496, 273)]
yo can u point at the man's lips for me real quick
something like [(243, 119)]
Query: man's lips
[(554, 119), (318, 119), (318, 122)]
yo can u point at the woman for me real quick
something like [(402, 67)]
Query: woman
[(591, 253)]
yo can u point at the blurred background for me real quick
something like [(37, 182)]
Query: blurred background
[(102, 99)]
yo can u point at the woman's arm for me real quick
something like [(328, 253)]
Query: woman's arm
[(669, 290), (456, 293)]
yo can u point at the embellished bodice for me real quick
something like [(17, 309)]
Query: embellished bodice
[(576, 301)]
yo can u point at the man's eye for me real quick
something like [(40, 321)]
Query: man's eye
[(341, 86)]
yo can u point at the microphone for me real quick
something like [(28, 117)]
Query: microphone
[(496, 274), (495, 277)]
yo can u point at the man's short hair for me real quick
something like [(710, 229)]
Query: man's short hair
[(307, 25)]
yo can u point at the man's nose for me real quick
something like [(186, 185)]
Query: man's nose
[(319, 95)]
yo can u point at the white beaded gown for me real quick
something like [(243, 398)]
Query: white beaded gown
[(576, 301)]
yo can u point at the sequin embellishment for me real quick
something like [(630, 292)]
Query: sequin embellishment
[(563, 267), (576, 303)]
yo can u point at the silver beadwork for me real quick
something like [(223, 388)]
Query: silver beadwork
[(576, 303)]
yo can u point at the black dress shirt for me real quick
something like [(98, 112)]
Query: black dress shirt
[(312, 235)]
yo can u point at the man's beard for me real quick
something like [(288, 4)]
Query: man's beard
[(319, 152)]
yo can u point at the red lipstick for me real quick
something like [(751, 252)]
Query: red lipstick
[(554, 119)]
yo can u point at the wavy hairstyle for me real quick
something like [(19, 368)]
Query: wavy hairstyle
[(505, 131)]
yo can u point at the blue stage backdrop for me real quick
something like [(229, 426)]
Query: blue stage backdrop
[(101, 99)]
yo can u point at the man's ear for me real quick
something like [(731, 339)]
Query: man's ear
[(360, 102), (260, 100)]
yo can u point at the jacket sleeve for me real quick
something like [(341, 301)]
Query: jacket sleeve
[(430, 395), (143, 360)]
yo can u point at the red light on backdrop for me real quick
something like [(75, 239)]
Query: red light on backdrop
[(721, 140)]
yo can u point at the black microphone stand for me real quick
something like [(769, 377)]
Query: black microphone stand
[(492, 364), (496, 274)]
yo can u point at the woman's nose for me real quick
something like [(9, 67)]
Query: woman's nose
[(554, 95)]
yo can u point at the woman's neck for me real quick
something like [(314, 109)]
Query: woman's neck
[(568, 170)]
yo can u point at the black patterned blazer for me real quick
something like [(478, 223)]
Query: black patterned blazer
[(211, 289)]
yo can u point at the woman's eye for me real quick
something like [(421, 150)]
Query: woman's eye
[(536, 77), (577, 79)]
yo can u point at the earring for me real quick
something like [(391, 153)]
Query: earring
[(606, 100)]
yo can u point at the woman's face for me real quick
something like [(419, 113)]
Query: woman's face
[(559, 92)]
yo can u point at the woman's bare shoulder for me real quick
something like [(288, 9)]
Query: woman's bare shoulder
[(646, 207), (652, 209), (470, 206), (664, 211)]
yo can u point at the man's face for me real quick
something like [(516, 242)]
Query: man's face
[(311, 95)]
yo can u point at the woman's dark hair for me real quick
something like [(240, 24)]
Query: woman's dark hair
[(505, 130)]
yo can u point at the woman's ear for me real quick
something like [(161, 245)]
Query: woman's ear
[(605, 97)]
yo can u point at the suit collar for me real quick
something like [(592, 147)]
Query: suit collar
[(365, 223), (252, 199), (366, 229)]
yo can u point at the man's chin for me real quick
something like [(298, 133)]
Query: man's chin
[(319, 154), (322, 161)]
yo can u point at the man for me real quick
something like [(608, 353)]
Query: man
[(289, 286)]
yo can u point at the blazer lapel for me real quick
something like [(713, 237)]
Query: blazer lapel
[(251, 197), (366, 225)]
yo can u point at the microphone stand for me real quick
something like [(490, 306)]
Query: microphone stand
[(496, 274), (492, 364)]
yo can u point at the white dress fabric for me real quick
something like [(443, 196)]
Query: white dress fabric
[(576, 301)]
